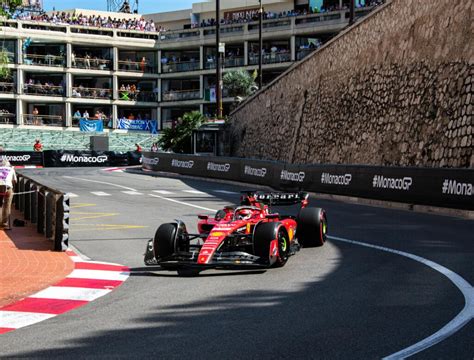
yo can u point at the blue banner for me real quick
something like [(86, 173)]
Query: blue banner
[(142, 125), (91, 125)]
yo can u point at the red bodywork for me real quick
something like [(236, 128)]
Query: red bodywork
[(228, 223)]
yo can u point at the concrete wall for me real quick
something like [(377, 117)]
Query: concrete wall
[(396, 89)]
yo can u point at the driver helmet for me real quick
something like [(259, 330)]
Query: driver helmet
[(244, 214)]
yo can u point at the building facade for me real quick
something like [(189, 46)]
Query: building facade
[(60, 73)]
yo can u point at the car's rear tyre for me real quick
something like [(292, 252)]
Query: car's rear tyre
[(164, 242), (264, 234), (312, 227)]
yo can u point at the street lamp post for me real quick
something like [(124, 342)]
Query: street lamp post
[(260, 41), (218, 64)]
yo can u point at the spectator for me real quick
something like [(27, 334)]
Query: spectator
[(154, 147), (77, 115), (7, 181), (85, 115), (138, 148), (38, 147), (36, 117)]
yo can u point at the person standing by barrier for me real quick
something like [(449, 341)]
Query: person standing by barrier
[(7, 180), (38, 147)]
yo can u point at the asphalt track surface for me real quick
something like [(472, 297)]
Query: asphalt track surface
[(340, 301)]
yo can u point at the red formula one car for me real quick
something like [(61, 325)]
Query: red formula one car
[(248, 236)]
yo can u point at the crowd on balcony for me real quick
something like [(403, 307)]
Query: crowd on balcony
[(46, 88), (253, 15), (93, 20), (94, 93), (273, 54), (87, 61), (99, 115), (132, 92)]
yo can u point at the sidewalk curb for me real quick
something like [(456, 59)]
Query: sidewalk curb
[(87, 282)]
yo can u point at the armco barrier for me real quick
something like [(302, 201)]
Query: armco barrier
[(452, 188), (47, 207)]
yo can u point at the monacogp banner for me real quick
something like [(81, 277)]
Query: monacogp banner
[(424, 186), (23, 158)]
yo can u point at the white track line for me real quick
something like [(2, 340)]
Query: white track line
[(18, 319), (163, 192), (100, 193), (194, 191), (71, 293), (182, 202), (132, 193), (101, 182), (450, 328)]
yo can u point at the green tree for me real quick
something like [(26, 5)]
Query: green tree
[(178, 139), (240, 83)]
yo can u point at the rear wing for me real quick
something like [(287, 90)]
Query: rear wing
[(274, 198)]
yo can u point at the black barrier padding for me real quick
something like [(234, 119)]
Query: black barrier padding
[(27, 196), (424, 186), (21, 195), (34, 203), (40, 226), (64, 158), (49, 213), (21, 158)]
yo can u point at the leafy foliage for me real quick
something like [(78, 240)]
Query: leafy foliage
[(239, 83), (9, 7), (178, 138), (4, 70)]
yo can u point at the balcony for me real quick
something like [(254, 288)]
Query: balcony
[(137, 95), (181, 95), (271, 58), (39, 120), (44, 60), (7, 88), (302, 53), (43, 90), (234, 61), (94, 63), (91, 93), (136, 66), (181, 66), (7, 118)]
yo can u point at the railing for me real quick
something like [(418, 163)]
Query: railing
[(225, 91), (136, 66), (228, 62), (91, 93), (44, 60), (91, 63), (180, 66), (43, 90), (7, 88), (225, 30), (178, 95), (7, 118), (44, 26), (272, 58), (137, 95), (317, 18), (273, 23), (38, 120), (91, 31), (178, 35)]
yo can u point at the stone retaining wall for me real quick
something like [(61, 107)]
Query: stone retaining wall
[(396, 89)]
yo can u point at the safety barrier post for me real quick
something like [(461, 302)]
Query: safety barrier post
[(40, 225), (21, 189), (34, 203), (49, 215), (27, 200), (16, 200), (61, 237)]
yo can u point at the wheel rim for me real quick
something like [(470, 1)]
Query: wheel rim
[(324, 227), (282, 246)]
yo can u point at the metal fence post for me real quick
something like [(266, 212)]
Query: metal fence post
[(27, 200), (61, 236), (21, 189)]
